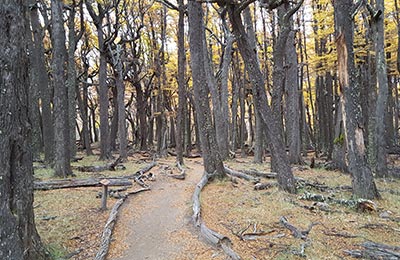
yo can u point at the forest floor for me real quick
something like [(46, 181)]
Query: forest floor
[(157, 224)]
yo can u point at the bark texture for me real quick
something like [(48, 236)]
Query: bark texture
[(209, 147), (285, 175), (18, 235), (362, 180)]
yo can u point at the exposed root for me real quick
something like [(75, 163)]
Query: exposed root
[(211, 236)]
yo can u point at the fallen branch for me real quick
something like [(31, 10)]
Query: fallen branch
[(297, 233), (78, 183), (253, 172), (333, 233), (374, 250), (263, 186), (108, 228), (211, 236), (241, 175), (108, 167)]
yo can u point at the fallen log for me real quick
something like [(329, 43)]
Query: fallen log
[(108, 228), (186, 155), (78, 183), (267, 175), (241, 175), (108, 167), (211, 236), (374, 250)]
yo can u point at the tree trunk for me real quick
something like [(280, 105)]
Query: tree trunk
[(123, 142), (19, 238), (285, 175), (212, 160), (71, 79), (62, 164), (293, 106), (180, 122), (44, 88), (383, 90), (362, 180)]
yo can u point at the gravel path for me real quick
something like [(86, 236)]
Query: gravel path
[(157, 224)]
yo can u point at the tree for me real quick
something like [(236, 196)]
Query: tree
[(362, 180), (18, 235), (380, 151), (105, 151), (209, 147), (285, 175), (62, 165)]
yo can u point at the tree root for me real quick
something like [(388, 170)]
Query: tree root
[(180, 176), (108, 228), (211, 236)]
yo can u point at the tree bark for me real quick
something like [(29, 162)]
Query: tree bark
[(44, 88), (62, 164), (19, 238), (285, 175), (180, 122), (209, 147), (380, 168), (362, 180)]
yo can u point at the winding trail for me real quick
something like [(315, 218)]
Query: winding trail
[(157, 224)]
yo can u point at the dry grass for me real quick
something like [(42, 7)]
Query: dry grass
[(230, 208), (69, 219)]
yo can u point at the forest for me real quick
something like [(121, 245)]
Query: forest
[(199, 129)]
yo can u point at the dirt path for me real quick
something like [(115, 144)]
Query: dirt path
[(157, 224)]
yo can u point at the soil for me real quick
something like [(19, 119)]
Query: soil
[(157, 224)]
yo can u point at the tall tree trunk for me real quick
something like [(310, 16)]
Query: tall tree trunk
[(71, 79), (44, 88), (285, 175), (114, 120), (123, 142), (383, 90), (362, 180), (293, 106), (34, 91), (19, 238), (212, 160), (180, 122), (62, 164), (105, 151)]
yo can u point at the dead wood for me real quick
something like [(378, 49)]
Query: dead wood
[(372, 250), (335, 233), (186, 155), (359, 204), (263, 186), (78, 183), (241, 175), (180, 176), (108, 167), (139, 176), (267, 175), (297, 233), (107, 232), (108, 228), (211, 236)]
